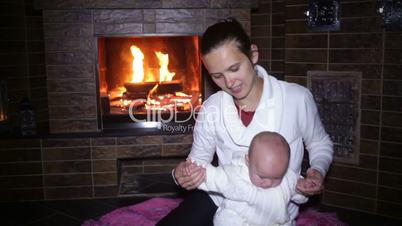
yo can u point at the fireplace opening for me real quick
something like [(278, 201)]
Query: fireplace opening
[(148, 79)]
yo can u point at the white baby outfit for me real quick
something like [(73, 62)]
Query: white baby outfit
[(246, 204)]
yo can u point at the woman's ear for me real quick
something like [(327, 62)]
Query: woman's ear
[(254, 53)]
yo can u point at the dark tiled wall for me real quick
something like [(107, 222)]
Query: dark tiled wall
[(267, 32), (70, 168), (22, 59), (375, 183)]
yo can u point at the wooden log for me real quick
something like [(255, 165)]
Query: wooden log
[(145, 87)]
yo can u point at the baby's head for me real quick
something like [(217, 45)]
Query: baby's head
[(268, 159)]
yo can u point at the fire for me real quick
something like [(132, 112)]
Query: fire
[(149, 76), (138, 66), (164, 74), (152, 103)]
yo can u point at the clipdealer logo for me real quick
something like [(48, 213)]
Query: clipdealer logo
[(177, 128), (161, 118), (168, 120)]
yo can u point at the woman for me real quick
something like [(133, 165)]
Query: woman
[(250, 102)]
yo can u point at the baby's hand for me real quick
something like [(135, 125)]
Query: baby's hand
[(188, 168), (193, 165), (305, 184), (312, 184), (189, 175)]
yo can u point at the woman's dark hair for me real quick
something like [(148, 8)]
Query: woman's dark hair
[(226, 30)]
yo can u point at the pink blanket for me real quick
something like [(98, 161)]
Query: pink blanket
[(146, 213), (149, 212), (311, 217)]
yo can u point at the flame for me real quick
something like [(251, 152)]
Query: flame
[(164, 74), (138, 64), (152, 91), (145, 70), (181, 94), (151, 101)]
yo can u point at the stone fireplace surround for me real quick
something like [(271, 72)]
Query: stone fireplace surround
[(71, 29), (77, 159)]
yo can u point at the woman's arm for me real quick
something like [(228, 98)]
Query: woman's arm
[(204, 134), (317, 143), (186, 174)]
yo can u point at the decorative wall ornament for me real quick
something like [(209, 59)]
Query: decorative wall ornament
[(323, 15), (337, 95), (391, 13)]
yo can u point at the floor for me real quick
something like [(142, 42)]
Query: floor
[(75, 212), (60, 213), (355, 218)]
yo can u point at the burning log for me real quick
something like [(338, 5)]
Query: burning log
[(140, 87), (144, 87)]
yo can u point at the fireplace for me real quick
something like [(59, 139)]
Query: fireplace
[(148, 79), (88, 93)]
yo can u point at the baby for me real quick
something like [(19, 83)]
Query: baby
[(257, 186)]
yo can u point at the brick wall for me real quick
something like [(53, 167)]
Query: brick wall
[(71, 168), (374, 184), (22, 63)]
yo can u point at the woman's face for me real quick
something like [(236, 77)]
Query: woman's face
[(231, 69)]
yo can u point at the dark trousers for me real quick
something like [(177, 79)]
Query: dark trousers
[(197, 209)]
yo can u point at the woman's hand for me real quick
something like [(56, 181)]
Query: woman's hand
[(189, 175), (312, 184)]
